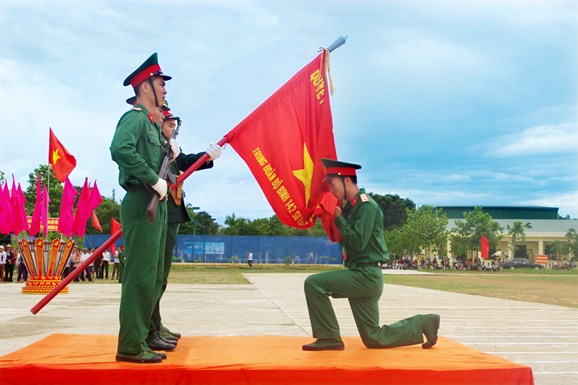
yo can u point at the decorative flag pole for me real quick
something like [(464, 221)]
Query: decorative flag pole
[(70, 277), (234, 134)]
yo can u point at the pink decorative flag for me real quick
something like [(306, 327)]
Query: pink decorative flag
[(23, 218), (44, 214), (5, 210), (92, 203), (80, 208), (15, 219), (35, 224), (66, 221)]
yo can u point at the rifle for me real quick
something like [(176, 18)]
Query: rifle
[(164, 173)]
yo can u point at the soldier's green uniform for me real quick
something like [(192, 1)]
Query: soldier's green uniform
[(137, 149), (177, 214), (361, 229)]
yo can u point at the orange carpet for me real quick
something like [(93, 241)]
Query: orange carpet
[(89, 359)]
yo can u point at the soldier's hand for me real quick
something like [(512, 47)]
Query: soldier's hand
[(214, 151), (161, 188), (175, 149), (337, 212)]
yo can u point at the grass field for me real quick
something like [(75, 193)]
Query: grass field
[(555, 287)]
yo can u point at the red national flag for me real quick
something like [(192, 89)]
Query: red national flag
[(283, 141), (60, 159), (96, 222), (66, 220), (114, 227), (484, 247), (35, 223)]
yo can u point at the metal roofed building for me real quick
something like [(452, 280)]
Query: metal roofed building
[(546, 227)]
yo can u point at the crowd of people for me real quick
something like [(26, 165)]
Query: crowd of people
[(13, 268), (99, 268)]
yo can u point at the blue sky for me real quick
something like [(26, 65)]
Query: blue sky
[(442, 102)]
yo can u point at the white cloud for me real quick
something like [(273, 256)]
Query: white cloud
[(546, 139)]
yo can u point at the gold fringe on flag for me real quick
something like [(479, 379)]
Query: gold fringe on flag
[(328, 70)]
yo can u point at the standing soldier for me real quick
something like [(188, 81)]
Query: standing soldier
[(137, 149), (360, 224), (177, 213)]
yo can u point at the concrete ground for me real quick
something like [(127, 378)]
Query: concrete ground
[(543, 337)]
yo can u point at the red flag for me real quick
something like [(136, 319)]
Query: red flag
[(66, 220), (484, 247), (60, 159), (283, 141), (114, 227), (35, 223), (96, 222), (22, 209), (325, 210)]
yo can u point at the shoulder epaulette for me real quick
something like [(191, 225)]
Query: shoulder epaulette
[(364, 198)]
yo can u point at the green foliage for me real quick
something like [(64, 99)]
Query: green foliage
[(234, 258), (572, 238), (425, 229), (288, 260), (465, 236), (108, 209), (395, 209), (517, 233), (266, 226)]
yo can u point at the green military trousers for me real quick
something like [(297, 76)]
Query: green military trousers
[(171, 238), (363, 287), (143, 272)]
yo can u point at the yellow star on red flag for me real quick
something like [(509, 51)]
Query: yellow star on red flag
[(55, 157), (305, 175)]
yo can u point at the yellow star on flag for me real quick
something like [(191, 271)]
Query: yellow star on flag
[(55, 157), (305, 175)]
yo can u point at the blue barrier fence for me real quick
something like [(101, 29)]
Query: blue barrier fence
[(265, 249)]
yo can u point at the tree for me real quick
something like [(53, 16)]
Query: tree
[(54, 186), (427, 227), (465, 236), (572, 238), (517, 233), (105, 211), (557, 249), (206, 224), (394, 209)]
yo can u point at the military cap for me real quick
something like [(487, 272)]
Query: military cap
[(131, 100), (336, 167), (168, 114), (147, 69)]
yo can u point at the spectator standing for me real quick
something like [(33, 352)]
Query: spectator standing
[(22, 270), (2, 262), (104, 265)]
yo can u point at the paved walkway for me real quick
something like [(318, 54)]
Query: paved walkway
[(543, 337)]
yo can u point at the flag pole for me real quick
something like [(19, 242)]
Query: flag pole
[(48, 297), (180, 179)]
